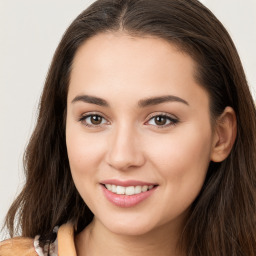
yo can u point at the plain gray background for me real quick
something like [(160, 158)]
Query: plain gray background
[(29, 34)]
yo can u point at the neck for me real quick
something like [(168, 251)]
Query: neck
[(96, 240)]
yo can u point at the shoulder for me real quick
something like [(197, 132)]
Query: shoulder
[(23, 246), (18, 246), (66, 241)]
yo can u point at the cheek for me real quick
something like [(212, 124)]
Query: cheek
[(182, 161), (83, 150), (84, 153), (182, 149)]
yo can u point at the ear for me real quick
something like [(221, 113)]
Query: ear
[(224, 135)]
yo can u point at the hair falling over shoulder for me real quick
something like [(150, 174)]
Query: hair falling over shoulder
[(222, 218)]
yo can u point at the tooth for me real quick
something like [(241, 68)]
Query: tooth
[(144, 188), (129, 190), (114, 188), (120, 190), (109, 187), (137, 190)]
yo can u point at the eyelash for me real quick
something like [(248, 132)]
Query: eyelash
[(83, 118), (172, 120)]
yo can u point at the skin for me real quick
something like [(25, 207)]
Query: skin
[(130, 145)]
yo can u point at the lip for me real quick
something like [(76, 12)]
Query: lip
[(127, 183), (126, 201)]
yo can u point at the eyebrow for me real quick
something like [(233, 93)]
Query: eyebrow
[(161, 99), (142, 103), (91, 99)]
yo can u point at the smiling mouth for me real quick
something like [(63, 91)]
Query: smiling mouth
[(129, 191)]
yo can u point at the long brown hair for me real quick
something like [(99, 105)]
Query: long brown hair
[(222, 218)]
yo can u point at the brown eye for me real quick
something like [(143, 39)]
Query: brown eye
[(93, 120), (160, 120)]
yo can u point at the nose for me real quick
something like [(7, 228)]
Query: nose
[(125, 150)]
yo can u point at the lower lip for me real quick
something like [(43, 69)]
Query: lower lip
[(127, 201)]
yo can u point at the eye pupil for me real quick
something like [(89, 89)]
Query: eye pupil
[(96, 119), (160, 120)]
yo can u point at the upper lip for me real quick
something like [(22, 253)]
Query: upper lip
[(127, 183)]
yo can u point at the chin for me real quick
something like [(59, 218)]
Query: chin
[(129, 228), (130, 231)]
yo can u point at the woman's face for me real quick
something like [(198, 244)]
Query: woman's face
[(137, 120)]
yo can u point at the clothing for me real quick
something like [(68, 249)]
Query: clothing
[(22, 246)]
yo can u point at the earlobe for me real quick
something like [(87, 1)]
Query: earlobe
[(224, 135)]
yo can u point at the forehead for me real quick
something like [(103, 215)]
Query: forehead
[(111, 50), (138, 66)]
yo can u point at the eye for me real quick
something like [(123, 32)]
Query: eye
[(93, 120), (162, 121)]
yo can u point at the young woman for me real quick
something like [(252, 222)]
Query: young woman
[(145, 140)]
